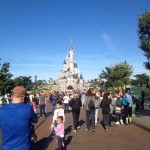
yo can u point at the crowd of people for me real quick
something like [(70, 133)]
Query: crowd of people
[(116, 105)]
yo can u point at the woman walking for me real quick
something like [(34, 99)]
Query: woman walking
[(106, 109), (75, 104), (90, 110)]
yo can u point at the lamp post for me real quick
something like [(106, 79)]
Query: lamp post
[(35, 86)]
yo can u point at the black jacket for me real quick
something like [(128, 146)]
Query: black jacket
[(105, 107), (75, 104)]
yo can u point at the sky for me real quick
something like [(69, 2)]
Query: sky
[(35, 35)]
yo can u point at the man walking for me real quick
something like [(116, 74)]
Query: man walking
[(42, 104)]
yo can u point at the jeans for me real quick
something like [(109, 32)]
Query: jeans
[(96, 116), (118, 116), (53, 108), (90, 118), (110, 118), (106, 119), (60, 141), (66, 107), (83, 104), (75, 114), (42, 109)]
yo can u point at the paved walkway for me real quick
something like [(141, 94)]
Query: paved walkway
[(119, 137), (142, 119)]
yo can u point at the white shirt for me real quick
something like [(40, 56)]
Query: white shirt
[(58, 112), (66, 99)]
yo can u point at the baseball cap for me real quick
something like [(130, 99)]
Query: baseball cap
[(19, 91)]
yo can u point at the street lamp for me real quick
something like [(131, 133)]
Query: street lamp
[(35, 86)]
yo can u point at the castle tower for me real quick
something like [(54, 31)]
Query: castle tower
[(70, 77)]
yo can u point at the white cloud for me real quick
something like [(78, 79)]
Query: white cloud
[(110, 44)]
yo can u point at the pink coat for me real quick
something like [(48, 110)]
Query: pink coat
[(59, 130)]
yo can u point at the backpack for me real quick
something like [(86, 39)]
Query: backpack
[(91, 105), (118, 102), (125, 101), (54, 102)]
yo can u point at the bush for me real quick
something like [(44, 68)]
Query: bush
[(147, 92)]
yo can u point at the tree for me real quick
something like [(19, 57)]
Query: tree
[(117, 75), (24, 81), (140, 80), (6, 83), (144, 36)]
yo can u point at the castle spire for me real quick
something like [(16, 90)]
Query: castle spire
[(71, 44)]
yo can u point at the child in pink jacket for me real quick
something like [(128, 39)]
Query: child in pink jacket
[(59, 131)]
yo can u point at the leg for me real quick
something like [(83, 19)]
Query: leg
[(44, 108), (74, 120), (65, 108), (77, 117), (104, 119), (117, 117), (93, 118), (107, 119), (110, 117), (130, 115), (40, 110), (59, 139), (96, 116), (87, 119)]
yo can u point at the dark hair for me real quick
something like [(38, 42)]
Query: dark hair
[(60, 117), (89, 92), (106, 99), (59, 102)]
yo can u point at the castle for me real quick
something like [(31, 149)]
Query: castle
[(70, 78)]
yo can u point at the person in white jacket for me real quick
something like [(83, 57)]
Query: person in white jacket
[(66, 103), (58, 112)]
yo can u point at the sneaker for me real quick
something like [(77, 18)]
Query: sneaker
[(75, 131), (87, 129), (63, 144), (106, 129), (78, 127), (117, 123), (121, 122), (93, 130)]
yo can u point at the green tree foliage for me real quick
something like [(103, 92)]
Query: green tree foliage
[(24, 81), (140, 79), (39, 82), (117, 75), (144, 36), (6, 83)]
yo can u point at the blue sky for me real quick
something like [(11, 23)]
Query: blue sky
[(35, 35)]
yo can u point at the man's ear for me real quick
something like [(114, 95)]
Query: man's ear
[(23, 99)]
